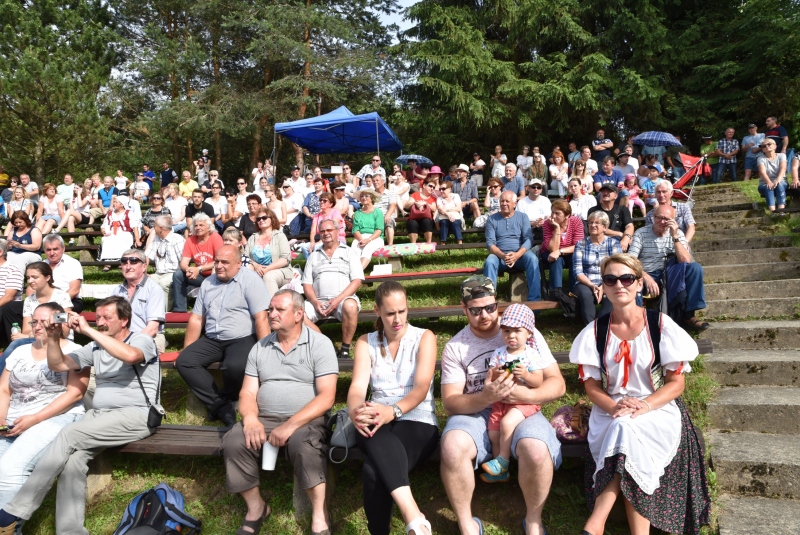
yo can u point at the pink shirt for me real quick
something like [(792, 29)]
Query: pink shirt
[(334, 214)]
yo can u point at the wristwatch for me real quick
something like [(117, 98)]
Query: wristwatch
[(676, 240), (398, 412)]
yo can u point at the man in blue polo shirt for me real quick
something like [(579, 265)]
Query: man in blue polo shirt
[(102, 199), (607, 174), (149, 175)]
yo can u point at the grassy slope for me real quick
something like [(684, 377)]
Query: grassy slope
[(201, 479)]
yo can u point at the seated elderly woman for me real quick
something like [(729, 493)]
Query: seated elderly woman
[(269, 251), (368, 226), (397, 427), (561, 231), (120, 231), (586, 259), (37, 402), (642, 443)]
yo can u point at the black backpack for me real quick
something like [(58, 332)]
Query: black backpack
[(158, 511)]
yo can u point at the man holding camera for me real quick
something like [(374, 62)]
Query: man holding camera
[(127, 376)]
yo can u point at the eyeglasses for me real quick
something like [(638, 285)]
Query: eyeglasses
[(626, 280), (241, 183), (662, 219), (326, 230), (262, 218), (215, 187), (323, 200), (443, 189), (493, 187), (430, 185), (130, 260), (155, 198), (476, 311), (375, 160)]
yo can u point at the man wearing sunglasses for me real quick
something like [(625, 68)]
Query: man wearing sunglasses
[(374, 168), (652, 245), (468, 394), (145, 296), (536, 206), (509, 240)]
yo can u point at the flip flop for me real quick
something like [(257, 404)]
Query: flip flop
[(525, 531), (480, 524), (255, 525)]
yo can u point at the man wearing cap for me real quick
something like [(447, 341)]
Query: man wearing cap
[(298, 183), (467, 191), (728, 148), (510, 240), (751, 148), (374, 167), (624, 165), (535, 205), (476, 167), (387, 205), (709, 150), (620, 220), (775, 132), (512, 182), (674, 160), (467, 396)]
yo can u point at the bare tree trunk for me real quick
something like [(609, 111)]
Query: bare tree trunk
[(174, 96), (260, 124), (38, 162), (217, 164), (298, 151)]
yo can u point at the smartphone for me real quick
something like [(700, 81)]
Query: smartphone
[(6, 428)]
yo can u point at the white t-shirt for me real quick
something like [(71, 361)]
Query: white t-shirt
[(177, 207), (66, 271), (538, 209), (141, 188), (591, 166), (294, 202), (499, 168), (59, 296), (121, 182), (220, 207), (466, 357), (33, 385)]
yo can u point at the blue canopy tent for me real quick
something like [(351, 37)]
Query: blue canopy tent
[(340, 132)]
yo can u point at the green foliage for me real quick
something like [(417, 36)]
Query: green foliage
[(55, 59)]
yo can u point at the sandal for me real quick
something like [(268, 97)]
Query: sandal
[(326, 531), (420, 522), (525, 531), (480, 524), (255, 525)]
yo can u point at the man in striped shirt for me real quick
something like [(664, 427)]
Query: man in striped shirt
[(652, 245)]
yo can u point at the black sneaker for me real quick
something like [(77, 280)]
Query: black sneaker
[(344, 353), (228, 419)]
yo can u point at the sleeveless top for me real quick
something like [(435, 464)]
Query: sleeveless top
[(391, 381), (49, 208), (25, 238)]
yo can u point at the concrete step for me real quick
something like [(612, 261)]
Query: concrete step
[(773, 334), (756, 464), (738, 214), (753, 290), (702, 244), (722, 199), (719, 206), (722, 224), (751, 272), (746, 232), (722, 258), (751, 308), (751, 368), (757, 409), (758, 516)]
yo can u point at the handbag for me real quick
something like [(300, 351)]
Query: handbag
[(415, 214), (343, 434), (571, 423)]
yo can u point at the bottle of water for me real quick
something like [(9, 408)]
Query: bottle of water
[(15, 328)]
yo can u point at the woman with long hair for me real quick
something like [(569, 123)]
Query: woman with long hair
[(269, 251), (559, 173), (397, 427), (274, 203), (25, 241), (19, 203), (581, 172), (51, 209), (78, 213)]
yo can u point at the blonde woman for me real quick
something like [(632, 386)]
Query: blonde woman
[(581, 172), (79, 210), (51, 209)]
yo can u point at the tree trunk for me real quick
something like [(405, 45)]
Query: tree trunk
[(174, 96), (38, 162), (260, 124), (217, 164), (298, 151)]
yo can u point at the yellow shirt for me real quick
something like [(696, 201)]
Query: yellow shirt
[(186, 188), (3, 179)]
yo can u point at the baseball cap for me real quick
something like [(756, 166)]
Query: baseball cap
[(535, 181), (295, 167), (609, 186), (477, 286)]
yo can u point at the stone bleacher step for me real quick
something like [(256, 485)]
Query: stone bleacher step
[(751, 308), (710, 225), (737, 214), (756, 464), (744, 232), (757, 409), (753, 289), (749, 368), (772, 334), (726, 205), (751, 272), (724, 258), (758, 516), (702, 243)]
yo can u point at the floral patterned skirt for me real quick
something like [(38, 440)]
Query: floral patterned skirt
[(681, 504)]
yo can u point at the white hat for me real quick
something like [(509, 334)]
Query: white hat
[(535, 181), (463, 167)]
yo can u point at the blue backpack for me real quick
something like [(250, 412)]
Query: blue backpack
[(158, 511)]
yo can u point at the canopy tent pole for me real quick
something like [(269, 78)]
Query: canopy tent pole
[(377, 137), (275, 153)]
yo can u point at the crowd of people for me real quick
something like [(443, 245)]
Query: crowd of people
[(257, 317)]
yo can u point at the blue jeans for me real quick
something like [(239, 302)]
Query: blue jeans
[(557, 270), (774, 195), (527, 263), (180, 287), (19, 455), (179, 227), (721, 167), (445, 226), (678, 172), (695, 290), (713, 174), (10, 349)]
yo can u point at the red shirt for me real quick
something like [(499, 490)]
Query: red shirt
[(569, 236), (202, 253)]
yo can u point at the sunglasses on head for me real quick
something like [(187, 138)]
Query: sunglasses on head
[(130, 260), (476, 311), (626, 280)]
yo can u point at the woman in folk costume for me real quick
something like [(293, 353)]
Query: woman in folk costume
[(119, 228), (641, 440)]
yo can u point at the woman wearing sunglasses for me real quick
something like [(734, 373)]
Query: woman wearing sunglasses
[(422, 210), (641, 440), (586, 259), (772, 175), (269, 251), (450, 216), (327, 210)]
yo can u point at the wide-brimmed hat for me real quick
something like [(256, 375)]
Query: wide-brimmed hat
[(435, 170), (376, 197), (463, 167)]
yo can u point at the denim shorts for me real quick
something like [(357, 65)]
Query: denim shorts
[(476, 426), (751, 163)]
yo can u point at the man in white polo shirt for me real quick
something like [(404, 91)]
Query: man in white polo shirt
[(67, 271)]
